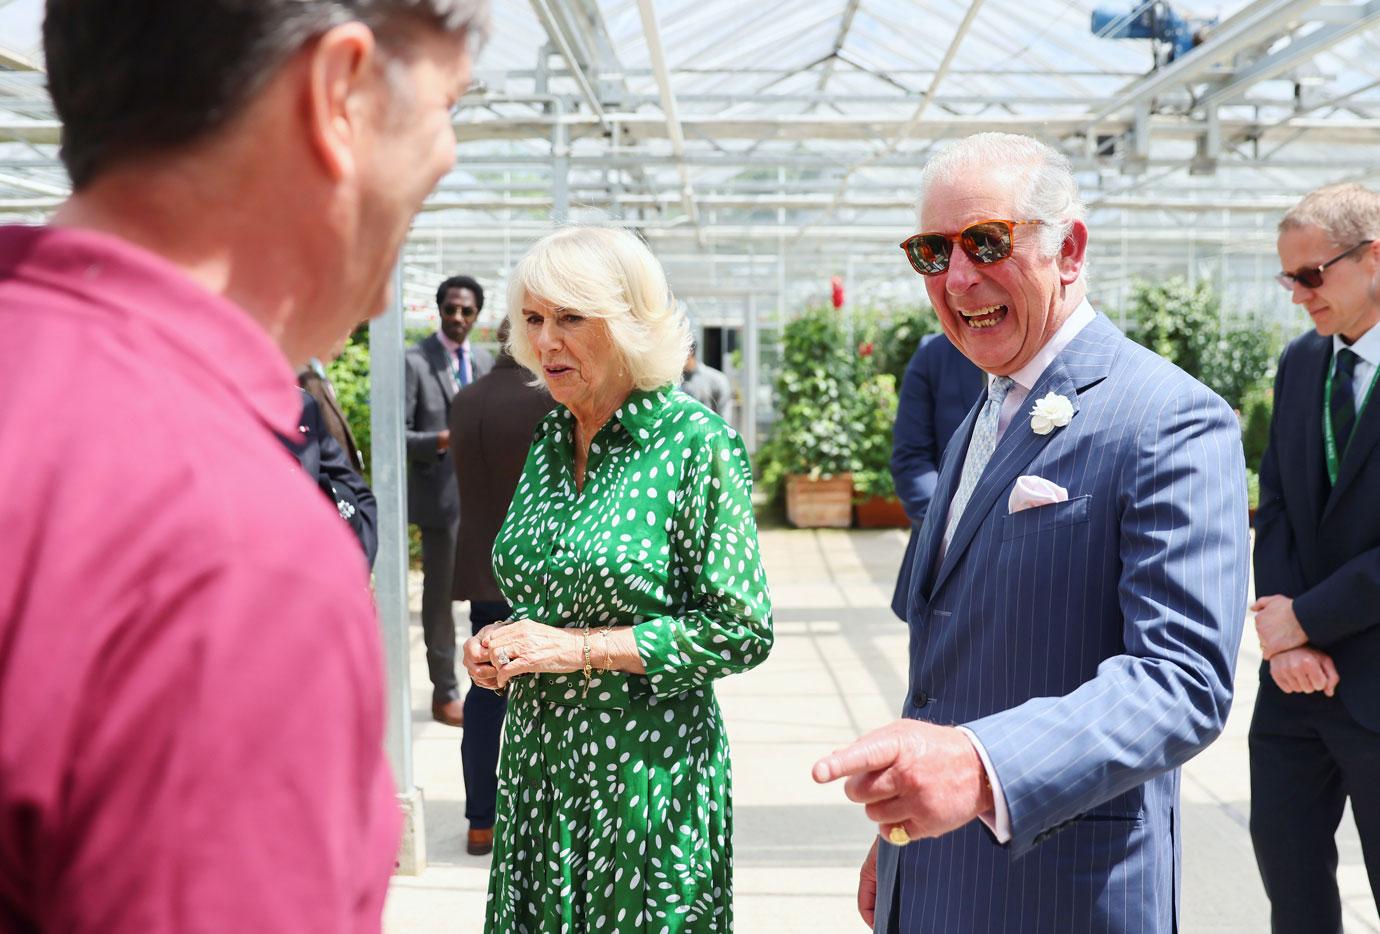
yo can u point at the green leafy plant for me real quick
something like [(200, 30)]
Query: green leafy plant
[(816, 400), (1184, 324), (1255, 427), (349, 374), (893, 336), (876, 418), (1176, 320)]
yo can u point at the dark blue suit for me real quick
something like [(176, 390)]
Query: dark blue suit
[(939, 388), (1320, 545), (326, 462)]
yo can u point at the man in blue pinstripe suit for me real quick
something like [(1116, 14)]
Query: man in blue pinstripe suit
[(1077, 595)]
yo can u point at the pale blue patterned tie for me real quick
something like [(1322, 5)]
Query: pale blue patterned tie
[(980, 448)]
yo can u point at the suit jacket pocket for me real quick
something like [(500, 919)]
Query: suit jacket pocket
[(1044, 518)]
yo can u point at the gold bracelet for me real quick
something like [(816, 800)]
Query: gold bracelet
[(589, 669)]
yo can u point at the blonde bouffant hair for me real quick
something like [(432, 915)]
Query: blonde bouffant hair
[(606, 273)]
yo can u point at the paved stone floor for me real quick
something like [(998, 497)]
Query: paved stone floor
[(838, 669)]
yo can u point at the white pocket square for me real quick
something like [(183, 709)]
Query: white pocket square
[(1031, 491)]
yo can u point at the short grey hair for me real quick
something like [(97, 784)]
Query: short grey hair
[(1051, 191), (607, 273), (1347, 213)]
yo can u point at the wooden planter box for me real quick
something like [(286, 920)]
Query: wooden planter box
[(819, 504), (882, 512)]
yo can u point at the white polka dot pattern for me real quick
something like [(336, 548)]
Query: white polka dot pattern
[(614, 808)]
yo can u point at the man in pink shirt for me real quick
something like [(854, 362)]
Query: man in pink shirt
[(191, 688)]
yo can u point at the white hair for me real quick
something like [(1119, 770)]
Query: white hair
[(606, 273), (1051, 191)]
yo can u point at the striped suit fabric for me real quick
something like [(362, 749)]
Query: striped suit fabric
[(1088, 644)]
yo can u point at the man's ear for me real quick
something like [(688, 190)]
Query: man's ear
[(339, 74), (1072, 253)]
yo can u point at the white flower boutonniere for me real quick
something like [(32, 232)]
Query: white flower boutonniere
[(1051, 412)]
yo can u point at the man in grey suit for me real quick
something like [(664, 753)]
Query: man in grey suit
[(1077, 595), (437, 367)]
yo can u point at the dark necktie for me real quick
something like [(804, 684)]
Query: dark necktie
[(461, 376), (1343, 399)]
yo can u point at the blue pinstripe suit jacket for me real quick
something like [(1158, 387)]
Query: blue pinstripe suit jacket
[(1089, 645)]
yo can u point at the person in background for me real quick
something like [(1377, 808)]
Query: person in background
[(491, 426), (314, 380), (1315, 736), (328, 466), (938, 390), (438, 366), (192, 704), (710, 386), (630, 558)]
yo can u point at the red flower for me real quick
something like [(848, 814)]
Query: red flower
[(865, 349)]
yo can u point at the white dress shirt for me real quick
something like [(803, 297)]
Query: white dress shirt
[(998, 820)]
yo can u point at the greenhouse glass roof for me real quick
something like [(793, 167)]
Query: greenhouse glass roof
[(763, 147)]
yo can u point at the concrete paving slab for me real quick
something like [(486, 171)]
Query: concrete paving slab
[(838, 670)]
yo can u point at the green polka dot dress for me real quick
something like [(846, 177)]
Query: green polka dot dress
[(614, 807)]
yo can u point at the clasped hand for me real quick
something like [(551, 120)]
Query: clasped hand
[(529, 647), (1298, 668)]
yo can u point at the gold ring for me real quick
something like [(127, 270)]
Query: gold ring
[(898, 836)]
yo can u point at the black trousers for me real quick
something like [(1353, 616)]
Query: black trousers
[(1308, 755), (438, 625), (483, 726)]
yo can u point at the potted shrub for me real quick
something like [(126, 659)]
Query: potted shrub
[(810, 455), (874, 494)]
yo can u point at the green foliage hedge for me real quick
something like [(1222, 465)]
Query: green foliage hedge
[(836, 395)]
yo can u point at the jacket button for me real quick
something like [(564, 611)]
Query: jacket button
[(919, 698)]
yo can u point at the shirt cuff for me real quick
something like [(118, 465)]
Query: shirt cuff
[(998, 820)]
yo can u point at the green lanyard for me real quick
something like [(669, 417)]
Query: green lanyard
[(1329, 438)]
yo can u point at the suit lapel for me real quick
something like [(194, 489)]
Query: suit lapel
[(1310, 399), (440, 366), (1085, 361), (932, 531)]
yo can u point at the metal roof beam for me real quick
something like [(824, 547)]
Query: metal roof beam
[(1257, 23), (13, 61), (580, 61), (845, 25), (1274, 64), (674, 130)]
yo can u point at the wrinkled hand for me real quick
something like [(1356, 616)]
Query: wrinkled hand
[(534, 646), (924, 778), (1276, 625), (1303, 671), (867, 887), (475, 656)]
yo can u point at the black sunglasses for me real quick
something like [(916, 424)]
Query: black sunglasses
[(1313, 278), (450, 311), (985, 242)]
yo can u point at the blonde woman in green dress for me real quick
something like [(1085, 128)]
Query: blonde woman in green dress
[(630, 558)]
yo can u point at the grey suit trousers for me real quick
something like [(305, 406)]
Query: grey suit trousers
[(438, 624)]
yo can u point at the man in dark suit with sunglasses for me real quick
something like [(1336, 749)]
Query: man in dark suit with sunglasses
[(437, 368), (1315, 736), (1077, 589)]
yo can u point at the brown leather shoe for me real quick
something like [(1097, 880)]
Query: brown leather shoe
[(479, 842), (451, 713)]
